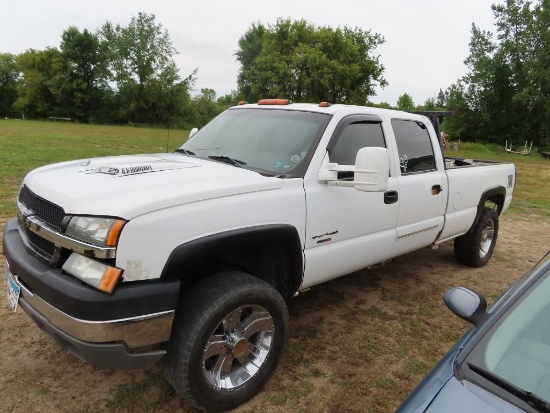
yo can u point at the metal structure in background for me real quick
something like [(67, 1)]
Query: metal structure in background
[(436, 116), (525, 151)]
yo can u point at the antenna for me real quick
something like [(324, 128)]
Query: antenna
[(168, 138)]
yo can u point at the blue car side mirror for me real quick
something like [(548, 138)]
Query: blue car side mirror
[(467, 304)]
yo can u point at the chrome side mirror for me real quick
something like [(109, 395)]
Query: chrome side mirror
[(467, 304)]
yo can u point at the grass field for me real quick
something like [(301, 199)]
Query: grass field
[(357, 344), (26, 145)]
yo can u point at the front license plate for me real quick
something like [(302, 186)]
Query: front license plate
[(13, 292)]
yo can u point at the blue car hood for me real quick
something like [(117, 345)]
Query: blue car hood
[(460, 397)]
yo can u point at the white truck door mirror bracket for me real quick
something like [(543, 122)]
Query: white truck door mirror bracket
[(328, 173)]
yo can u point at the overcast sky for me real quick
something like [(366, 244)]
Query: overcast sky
[(426, 40)]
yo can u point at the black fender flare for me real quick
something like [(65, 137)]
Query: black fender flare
[(485, 196), (185, 256)]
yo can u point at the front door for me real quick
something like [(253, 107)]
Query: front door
[(347, 229)]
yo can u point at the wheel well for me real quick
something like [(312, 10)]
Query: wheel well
[(492, 198), (495, 199), (272, 253)]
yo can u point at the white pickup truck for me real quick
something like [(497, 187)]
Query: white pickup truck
[(189, 256)]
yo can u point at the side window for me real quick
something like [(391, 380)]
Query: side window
[(354, 137), (414, 147)]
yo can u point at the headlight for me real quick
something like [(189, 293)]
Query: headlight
[(97, 231), (92, 272)]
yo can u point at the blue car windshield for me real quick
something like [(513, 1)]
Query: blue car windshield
[(517, 347), (273, 140)]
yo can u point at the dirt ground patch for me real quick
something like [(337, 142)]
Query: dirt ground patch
[(357, 344)]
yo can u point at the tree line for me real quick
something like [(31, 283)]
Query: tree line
[(115, 75), (505, 94), (123, 74), (127, 74)]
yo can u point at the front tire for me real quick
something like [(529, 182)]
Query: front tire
[(228, 338), (476, 247)]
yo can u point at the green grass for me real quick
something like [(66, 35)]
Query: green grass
[(25, 145), (481, 151)]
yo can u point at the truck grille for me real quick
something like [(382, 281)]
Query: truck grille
[(46, 211), (44, 248), (50, 214)]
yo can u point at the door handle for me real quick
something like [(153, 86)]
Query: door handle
[(436, 189), (391, 197)]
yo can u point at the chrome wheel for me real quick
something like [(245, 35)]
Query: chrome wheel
[(229, 335), (238, 347), (475, 248), (487, 235)]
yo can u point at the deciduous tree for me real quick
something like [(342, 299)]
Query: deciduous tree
[(140, 62), (405, 102), (9, 74), (86, 83), (507, 87), (40, 87), (302, 62)]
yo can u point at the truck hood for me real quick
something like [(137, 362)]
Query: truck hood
[(128, 186)]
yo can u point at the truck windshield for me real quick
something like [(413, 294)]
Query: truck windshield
[(273, 140)]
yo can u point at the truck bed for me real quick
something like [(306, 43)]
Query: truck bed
[(451, 163)]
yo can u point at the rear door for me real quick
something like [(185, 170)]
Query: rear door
[(423, 187)]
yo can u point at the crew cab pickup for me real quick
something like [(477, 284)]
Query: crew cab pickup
[(189, 256)]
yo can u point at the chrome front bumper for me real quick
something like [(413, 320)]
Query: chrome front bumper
[(135, 332)]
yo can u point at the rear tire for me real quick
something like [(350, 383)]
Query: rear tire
[(228, 338), (476, 247)]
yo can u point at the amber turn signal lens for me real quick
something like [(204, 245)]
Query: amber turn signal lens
[(114, 232), (274, 102), (109, 280)]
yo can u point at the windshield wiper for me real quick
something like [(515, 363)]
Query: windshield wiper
[(185, 151), (227, 159), (532, 399)]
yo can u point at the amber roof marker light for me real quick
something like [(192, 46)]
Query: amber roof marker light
[(324, 105), (274, 102)]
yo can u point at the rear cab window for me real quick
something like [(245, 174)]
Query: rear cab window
[(414, 146)]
